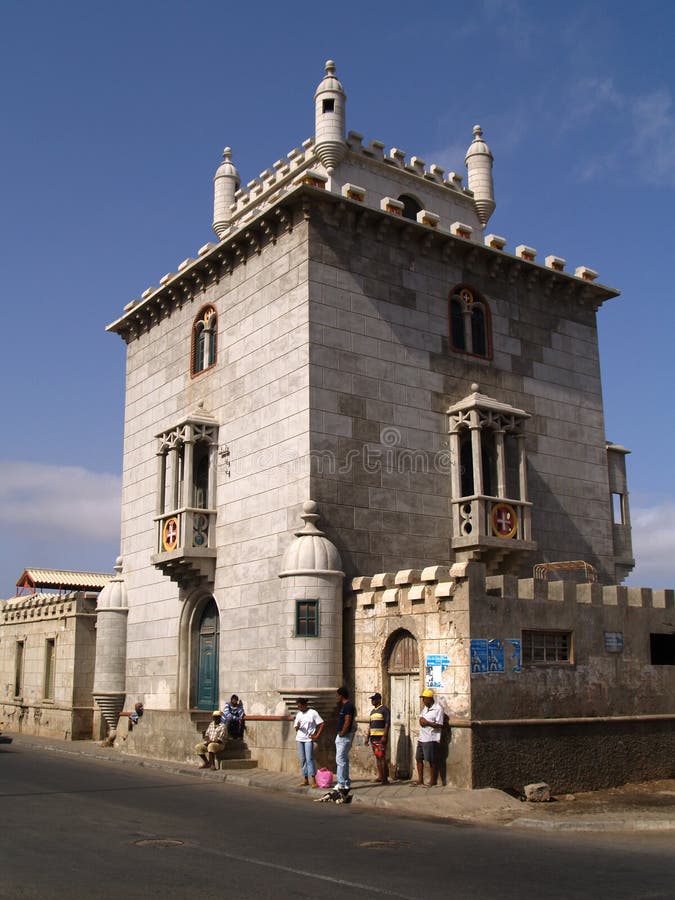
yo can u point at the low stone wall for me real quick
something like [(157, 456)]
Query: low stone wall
[(573, 756), (49, 720), (161, 734)]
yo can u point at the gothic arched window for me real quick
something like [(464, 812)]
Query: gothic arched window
[(204, 340), (470, 323)]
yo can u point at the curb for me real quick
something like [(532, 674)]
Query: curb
[(405, 806)]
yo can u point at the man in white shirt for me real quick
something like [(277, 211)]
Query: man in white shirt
[(428, 743)]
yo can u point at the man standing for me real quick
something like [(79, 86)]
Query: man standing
[(431, 725), (214, 741), (378, 735), (344, 738)]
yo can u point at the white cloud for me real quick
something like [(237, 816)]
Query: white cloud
[(46, 501), (653, 140), (654, 544), (642, 125)]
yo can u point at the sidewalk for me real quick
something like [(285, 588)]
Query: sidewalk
[(632, 808)]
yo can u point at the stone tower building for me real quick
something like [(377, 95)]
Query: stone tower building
[(354, 346)]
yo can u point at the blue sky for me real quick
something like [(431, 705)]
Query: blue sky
[(114, 117)]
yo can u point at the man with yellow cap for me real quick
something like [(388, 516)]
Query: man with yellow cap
[(431, 725), (214, 741)]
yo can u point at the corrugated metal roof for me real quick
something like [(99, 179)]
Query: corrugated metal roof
[(62, 580)]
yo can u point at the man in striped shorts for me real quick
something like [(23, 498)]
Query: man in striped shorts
[(378, 735)]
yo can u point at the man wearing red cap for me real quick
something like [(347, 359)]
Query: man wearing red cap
[(431, 725)]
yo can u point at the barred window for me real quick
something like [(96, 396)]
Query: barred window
[(547, 647), (307, 618)]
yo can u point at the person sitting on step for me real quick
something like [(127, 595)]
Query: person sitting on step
[(234, 718), (214, 741)]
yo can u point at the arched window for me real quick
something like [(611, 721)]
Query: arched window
[(470, 323), (204, 340), (410, 207)]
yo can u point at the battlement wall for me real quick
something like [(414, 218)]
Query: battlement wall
[(421, 589)]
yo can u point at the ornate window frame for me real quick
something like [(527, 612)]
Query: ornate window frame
[(469, 322), (185, 512), (204, 347)]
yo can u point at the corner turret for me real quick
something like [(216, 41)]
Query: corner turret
[(329, 100), (479, 168), (226, 183)]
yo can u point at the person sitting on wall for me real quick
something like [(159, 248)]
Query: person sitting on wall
[(234, 718), (134, 716), (214, 741)]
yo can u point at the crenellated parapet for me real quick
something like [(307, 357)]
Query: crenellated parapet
[(423, 590), (47, 606), (541, 591), (409, 591)]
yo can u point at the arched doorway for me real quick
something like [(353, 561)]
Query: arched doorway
[(208, 642), (403, 669)]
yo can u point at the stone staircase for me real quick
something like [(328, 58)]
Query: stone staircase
[(173, 734), (235, 755)]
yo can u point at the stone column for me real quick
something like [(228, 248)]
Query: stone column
[(111, 649)]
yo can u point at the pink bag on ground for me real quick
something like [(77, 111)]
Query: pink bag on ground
[(324, 778)]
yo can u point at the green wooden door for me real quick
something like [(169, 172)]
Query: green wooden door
[(207, 675)]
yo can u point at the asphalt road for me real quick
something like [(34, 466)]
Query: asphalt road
[(76, 827)]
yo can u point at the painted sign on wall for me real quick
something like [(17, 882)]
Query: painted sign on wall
[(496, 656), (435, 665)]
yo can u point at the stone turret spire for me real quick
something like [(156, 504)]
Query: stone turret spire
[(226, 183), (329, 131), (479, 167)]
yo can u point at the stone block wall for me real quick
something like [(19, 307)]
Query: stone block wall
[(382, 376), (604, 717), (69, 621), (258, 393), (597, 681)]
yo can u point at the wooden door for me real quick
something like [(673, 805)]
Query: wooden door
[(403, 669), (207, 670)]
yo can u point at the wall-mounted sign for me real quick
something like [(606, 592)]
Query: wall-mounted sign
[(479, 656), (495, 657), (435, 665), (513, 656), (614, 641)]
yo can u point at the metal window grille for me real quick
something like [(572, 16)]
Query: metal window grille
[(546, 647), (307, 618)]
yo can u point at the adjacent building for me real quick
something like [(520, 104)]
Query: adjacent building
[(47, 654)]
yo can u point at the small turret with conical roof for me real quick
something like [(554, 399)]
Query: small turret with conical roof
[(226, 183), (329, 131), (479, 167)]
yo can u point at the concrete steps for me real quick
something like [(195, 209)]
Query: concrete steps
[(235, 754)]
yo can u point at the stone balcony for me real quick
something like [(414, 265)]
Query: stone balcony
[(185, 542)]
